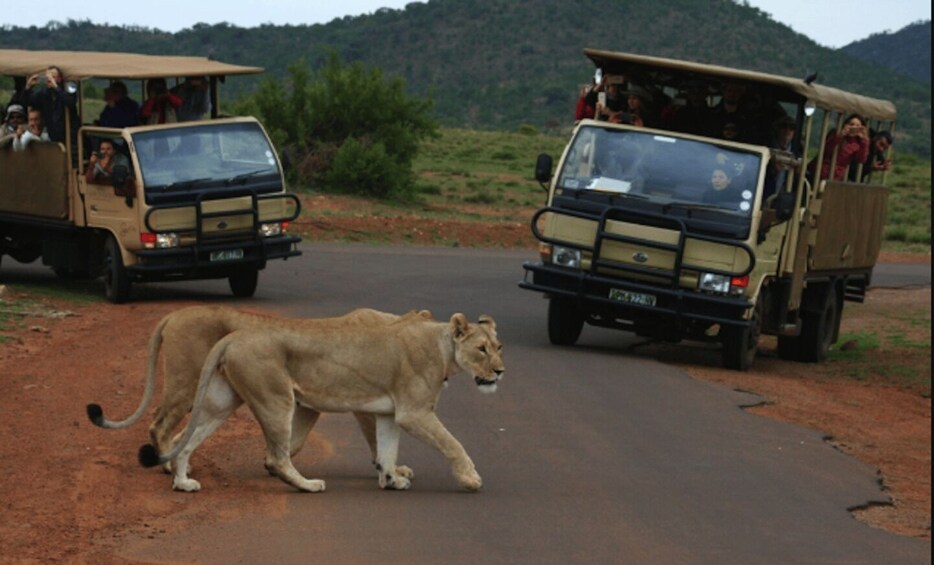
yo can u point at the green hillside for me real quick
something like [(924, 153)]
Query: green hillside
[(498, 63), (907, 51)]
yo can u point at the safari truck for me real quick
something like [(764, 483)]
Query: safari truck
[(631, 239), (200, 199)]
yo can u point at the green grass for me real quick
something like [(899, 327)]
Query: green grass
[(484, 167), (908, 226)]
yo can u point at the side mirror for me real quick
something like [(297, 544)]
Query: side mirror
[(784, 206), (543, 169), (120, 176)]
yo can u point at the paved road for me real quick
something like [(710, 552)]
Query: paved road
[(588, 455)]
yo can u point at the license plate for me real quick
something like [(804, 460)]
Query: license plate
[(632, 297), (227, 255)]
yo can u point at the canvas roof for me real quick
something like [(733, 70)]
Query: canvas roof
[(80, 65), (823, 96)]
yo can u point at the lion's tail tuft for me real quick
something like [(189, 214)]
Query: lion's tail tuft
[(148, 456), (96, 415)]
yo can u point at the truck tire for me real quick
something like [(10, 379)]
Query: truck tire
[(565, 321), (818, 329), (740, 345), (788, 347), (116, 278), (243, 282)]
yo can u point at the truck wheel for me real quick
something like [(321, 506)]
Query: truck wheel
[(243, 283), (741, 344), (565, 321), (817, 330), (116, 279), (788, 346)]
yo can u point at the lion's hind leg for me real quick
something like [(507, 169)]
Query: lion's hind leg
[(219, 403), (276, 419)]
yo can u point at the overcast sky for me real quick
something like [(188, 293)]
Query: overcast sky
[(832, 23)]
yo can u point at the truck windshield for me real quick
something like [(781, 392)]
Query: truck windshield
[(661, 173), (210, 156)]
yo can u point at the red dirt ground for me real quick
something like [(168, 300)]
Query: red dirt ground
[(65, 483)]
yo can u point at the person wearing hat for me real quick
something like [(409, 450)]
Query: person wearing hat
[(14, 120), (638, 111)]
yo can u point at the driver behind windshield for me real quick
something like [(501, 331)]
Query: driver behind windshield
[(725, 190)]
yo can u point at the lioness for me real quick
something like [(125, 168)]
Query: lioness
[(187, 335), (394, 371)]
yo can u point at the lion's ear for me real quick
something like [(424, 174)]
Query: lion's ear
[(459, 325), (488, 321), (426, 314)]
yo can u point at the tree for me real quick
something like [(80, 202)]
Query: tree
[(346, 128)]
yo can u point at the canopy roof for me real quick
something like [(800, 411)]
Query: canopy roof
[(824, 96), (80, 65)]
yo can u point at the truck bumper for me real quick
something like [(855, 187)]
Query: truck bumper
[(677, 312), (202, 261)]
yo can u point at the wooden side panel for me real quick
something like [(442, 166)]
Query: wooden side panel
[(849, 227), (34, 182)]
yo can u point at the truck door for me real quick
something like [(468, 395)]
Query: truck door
[(105, 209)]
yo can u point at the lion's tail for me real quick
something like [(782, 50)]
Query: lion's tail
[(148, 454), (96, 413)]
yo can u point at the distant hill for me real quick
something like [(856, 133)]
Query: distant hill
[(907, 51), (496, 64)]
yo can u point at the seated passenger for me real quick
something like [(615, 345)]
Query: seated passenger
[(638, 109), (34, 131), (121, 111), (692, 116), (585, 110), (724, 192), (161, 106), (612, 100), (102, 163), (729, 111), (877, 161), (15, 117), (852, 145), (783, 133), (48, 94), (196, 99)]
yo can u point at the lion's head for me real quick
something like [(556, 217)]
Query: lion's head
[(478, 351)]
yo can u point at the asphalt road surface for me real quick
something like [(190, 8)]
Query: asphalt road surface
[(588, 455)]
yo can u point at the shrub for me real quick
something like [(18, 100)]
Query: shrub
[(345, 127)]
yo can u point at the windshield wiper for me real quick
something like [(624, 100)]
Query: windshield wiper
[(178, 185), (243, 176), (691, 206)]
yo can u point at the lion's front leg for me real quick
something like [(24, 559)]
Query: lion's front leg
[(387, 449), (428, 428), (367, 423)]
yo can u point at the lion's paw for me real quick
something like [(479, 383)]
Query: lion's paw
[(390, 482), (470, 481), (313, 485), (186, 485), (405, 471)]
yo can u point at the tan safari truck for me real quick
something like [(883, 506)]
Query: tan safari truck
[(202, 199), (639, 233)]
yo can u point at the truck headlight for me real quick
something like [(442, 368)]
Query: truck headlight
[(566, 257), (159, 240), (270, 230), (722, 284)]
